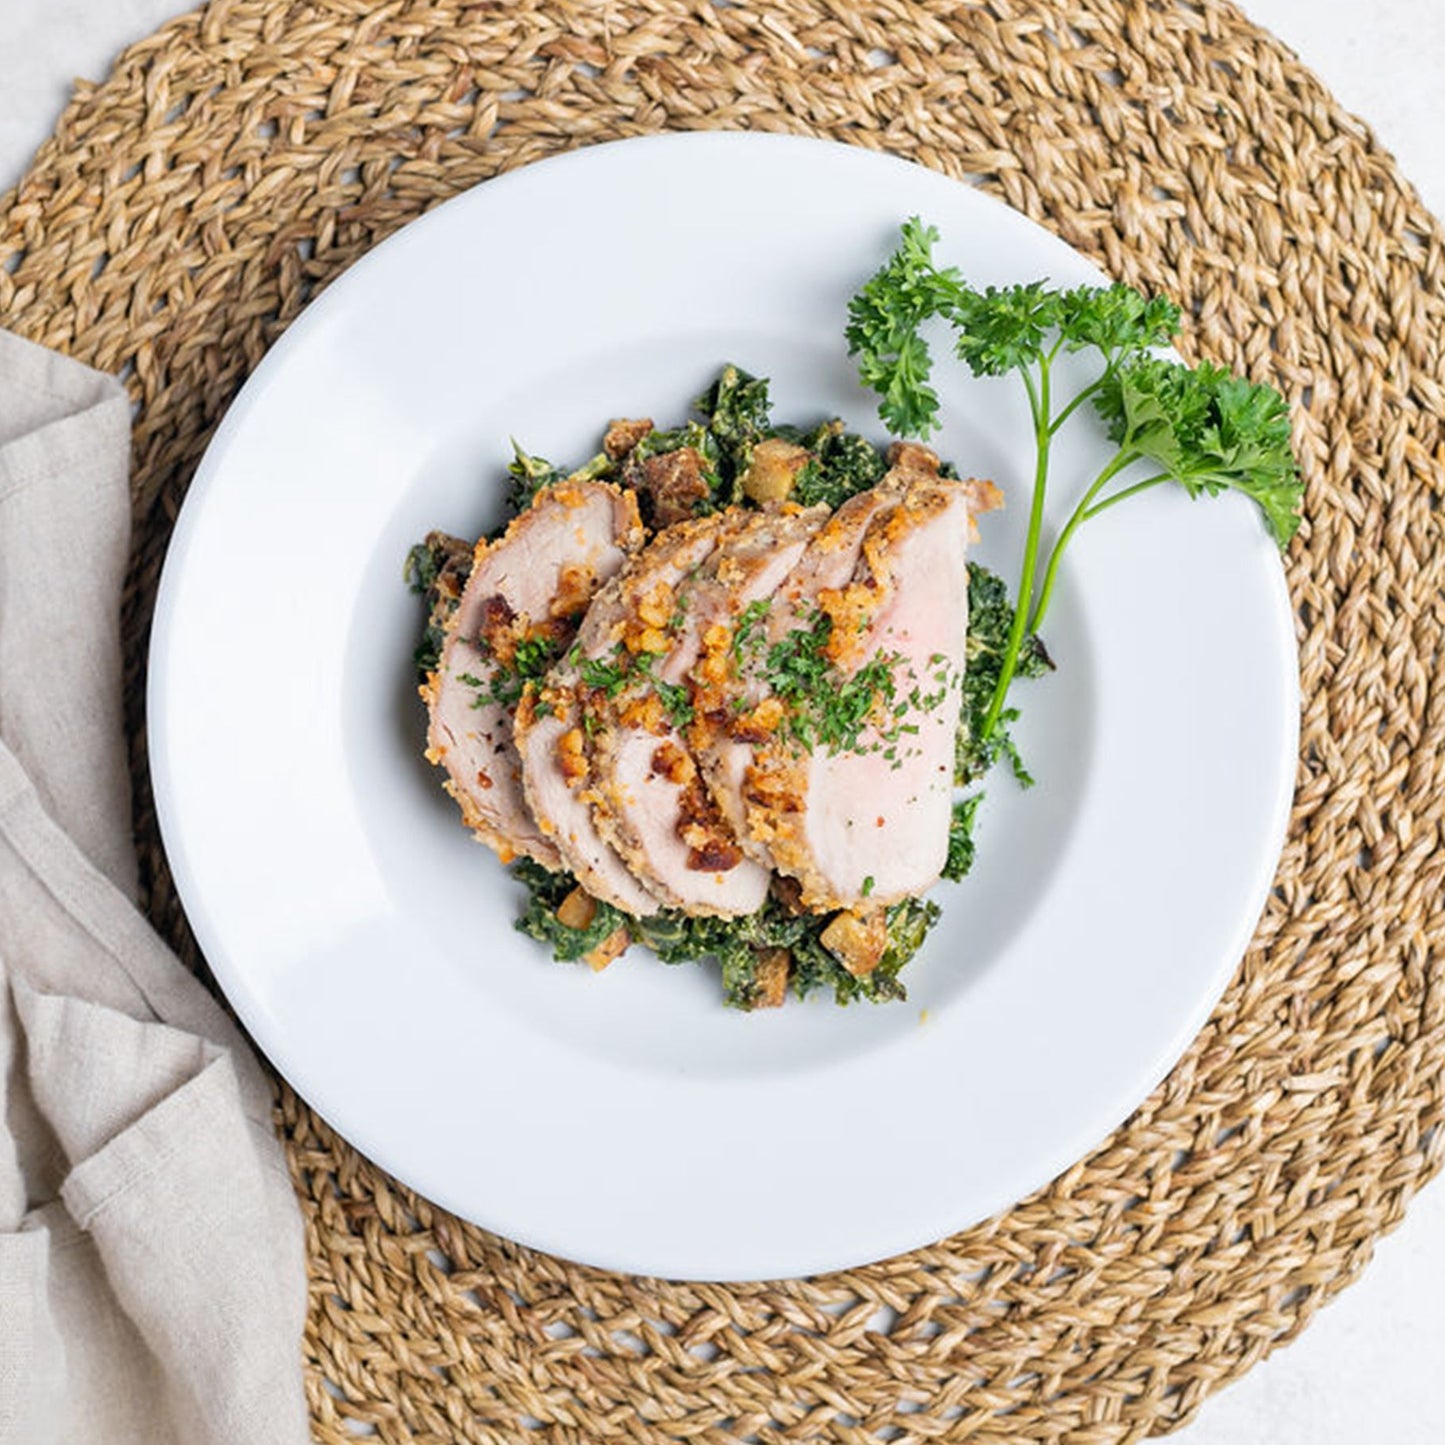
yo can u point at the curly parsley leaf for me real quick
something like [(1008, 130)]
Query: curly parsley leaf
[(1208, 430), (1202, 428), (884, 321)]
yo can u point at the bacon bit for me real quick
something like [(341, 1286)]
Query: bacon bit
[(859, 941), (576, 583), (712, 855), (671, 762), (878, 823), (577, 909), (771, 975), (624, 434), (771, 793), (496, 628), (496, 612), (711, 845), (572, 756), (760, 724), (611, 947), (482, 779), (788, 892)]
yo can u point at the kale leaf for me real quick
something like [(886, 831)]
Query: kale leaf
[(990, 625), (545, 892)]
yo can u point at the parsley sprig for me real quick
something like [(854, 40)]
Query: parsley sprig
[(1200, 427)]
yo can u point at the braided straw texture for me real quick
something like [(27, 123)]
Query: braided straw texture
[(189, 207)]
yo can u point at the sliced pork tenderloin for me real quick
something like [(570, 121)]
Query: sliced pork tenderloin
[(866, 823), (555, 780), (556, 735), (740, 712), (522, 602), (657, 808)]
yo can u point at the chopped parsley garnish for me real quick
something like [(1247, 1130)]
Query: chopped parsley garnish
[(675, 697), (607, 675), (506, 684), (825, 708), (748, 636)]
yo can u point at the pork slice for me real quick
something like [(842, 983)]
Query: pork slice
[(556, 732), (724, 740), (867, 825), (527, 590), (555, 780), (658, 809)]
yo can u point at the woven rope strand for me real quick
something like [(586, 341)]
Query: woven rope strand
[(188, 208)]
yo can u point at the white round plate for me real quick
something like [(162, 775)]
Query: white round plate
[(627, 1119)]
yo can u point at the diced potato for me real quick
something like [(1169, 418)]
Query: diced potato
[(577, 909), (611, 947), (772, 977), (858, 941), (773, 469)]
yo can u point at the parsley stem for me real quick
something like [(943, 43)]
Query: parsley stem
[(1077, 518), (1079, 400), (1043, 435), (1132, 491)]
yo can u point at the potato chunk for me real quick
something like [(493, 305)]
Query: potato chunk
[(859, 940), (773, 469)]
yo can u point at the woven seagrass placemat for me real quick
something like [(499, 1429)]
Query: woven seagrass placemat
[(187, 209)]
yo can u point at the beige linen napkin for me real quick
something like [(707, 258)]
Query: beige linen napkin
[(152, 1275)]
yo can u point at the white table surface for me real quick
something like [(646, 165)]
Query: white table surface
[(1364, 1371)]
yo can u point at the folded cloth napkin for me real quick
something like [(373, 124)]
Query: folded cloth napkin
[(152, 1272)]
